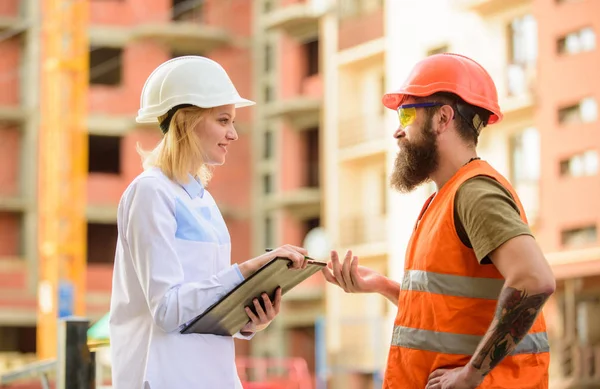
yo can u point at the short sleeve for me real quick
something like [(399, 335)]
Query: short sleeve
[(487, 216)]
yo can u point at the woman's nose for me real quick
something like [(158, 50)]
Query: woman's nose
[(232, 134)]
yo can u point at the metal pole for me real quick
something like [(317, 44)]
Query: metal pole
[(320, 353), (76, 364)]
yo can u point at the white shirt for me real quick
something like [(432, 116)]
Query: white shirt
[(172, 262)]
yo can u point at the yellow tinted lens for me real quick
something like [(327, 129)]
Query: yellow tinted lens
[(407, 116)]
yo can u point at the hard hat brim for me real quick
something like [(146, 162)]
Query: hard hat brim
[(151, 114)]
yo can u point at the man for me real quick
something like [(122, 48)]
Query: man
[(475, 280)]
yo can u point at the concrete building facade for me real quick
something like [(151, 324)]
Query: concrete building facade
[(317, 150), (541, 55), (128, 39), (286, 178)]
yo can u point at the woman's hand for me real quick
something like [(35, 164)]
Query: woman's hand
[(263, 317), (295, 254)]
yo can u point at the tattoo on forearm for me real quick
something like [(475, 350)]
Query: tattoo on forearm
[(515, 314)]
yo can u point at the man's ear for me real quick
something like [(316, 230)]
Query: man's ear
[(444, 118)]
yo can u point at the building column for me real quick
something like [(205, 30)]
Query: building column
[(30, 91)]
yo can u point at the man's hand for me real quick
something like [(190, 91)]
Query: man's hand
[(458, 378), (263, 317), (359, 279), (350, 276)]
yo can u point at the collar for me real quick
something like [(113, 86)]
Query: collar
[(193, 187)]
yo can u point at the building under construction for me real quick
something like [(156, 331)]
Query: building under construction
[(541, 55), (124, 41), (315, 151)]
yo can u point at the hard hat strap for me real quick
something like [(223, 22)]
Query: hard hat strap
[(166, 123), (473, 119)]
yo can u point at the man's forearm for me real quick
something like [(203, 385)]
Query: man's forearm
[(515, 314), (390, 290)]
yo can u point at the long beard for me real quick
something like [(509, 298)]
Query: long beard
[(416, 161)]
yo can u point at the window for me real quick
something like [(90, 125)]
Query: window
[(11, 233), (579, 236), (106, 66), (104, 154), (268, 91), (21, 339), (268, 145), (311, 224), (522, 56), (187, 11), (267, 6), (577, 42), (584, 164), (586, 111), (268, 58), (525, 158), (525, 167), (102, 242), (269, 238), (313, 165), (312, 58), (267, 184), (523, 40)]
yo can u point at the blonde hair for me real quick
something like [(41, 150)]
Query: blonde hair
[(179, 152)]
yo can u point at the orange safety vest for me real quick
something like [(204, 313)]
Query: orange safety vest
[(448, 300)]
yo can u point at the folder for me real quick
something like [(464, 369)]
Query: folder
[(227, 316)]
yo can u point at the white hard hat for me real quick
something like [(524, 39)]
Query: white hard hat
[(191, 80)]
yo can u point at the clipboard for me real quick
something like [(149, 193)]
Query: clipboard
[(227, 316)]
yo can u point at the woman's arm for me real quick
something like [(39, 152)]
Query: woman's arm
[(149, 228)]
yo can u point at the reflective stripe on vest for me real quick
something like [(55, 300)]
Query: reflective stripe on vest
[(448, 343), (452, 285)]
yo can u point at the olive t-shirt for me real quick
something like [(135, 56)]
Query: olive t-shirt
[(486, 216)]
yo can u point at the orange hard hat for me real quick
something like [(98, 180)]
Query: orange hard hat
[(452, 73)]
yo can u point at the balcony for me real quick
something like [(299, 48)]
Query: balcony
[(12, 115), (12, 23), (303, 112), (109, 36), (364, 344), (101, 213), (111, 125), (575, 263), (488, 7), (302, 202), (188, 31), (12, 203), (359, 26), (362, 136), (579, 365), (365, 232), (299, 20)]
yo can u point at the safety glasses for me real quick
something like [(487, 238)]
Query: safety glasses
[(407, 113)]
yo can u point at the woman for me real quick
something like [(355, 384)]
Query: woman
[(173, 251)]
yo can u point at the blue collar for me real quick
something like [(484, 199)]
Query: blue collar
[(193, 187)]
